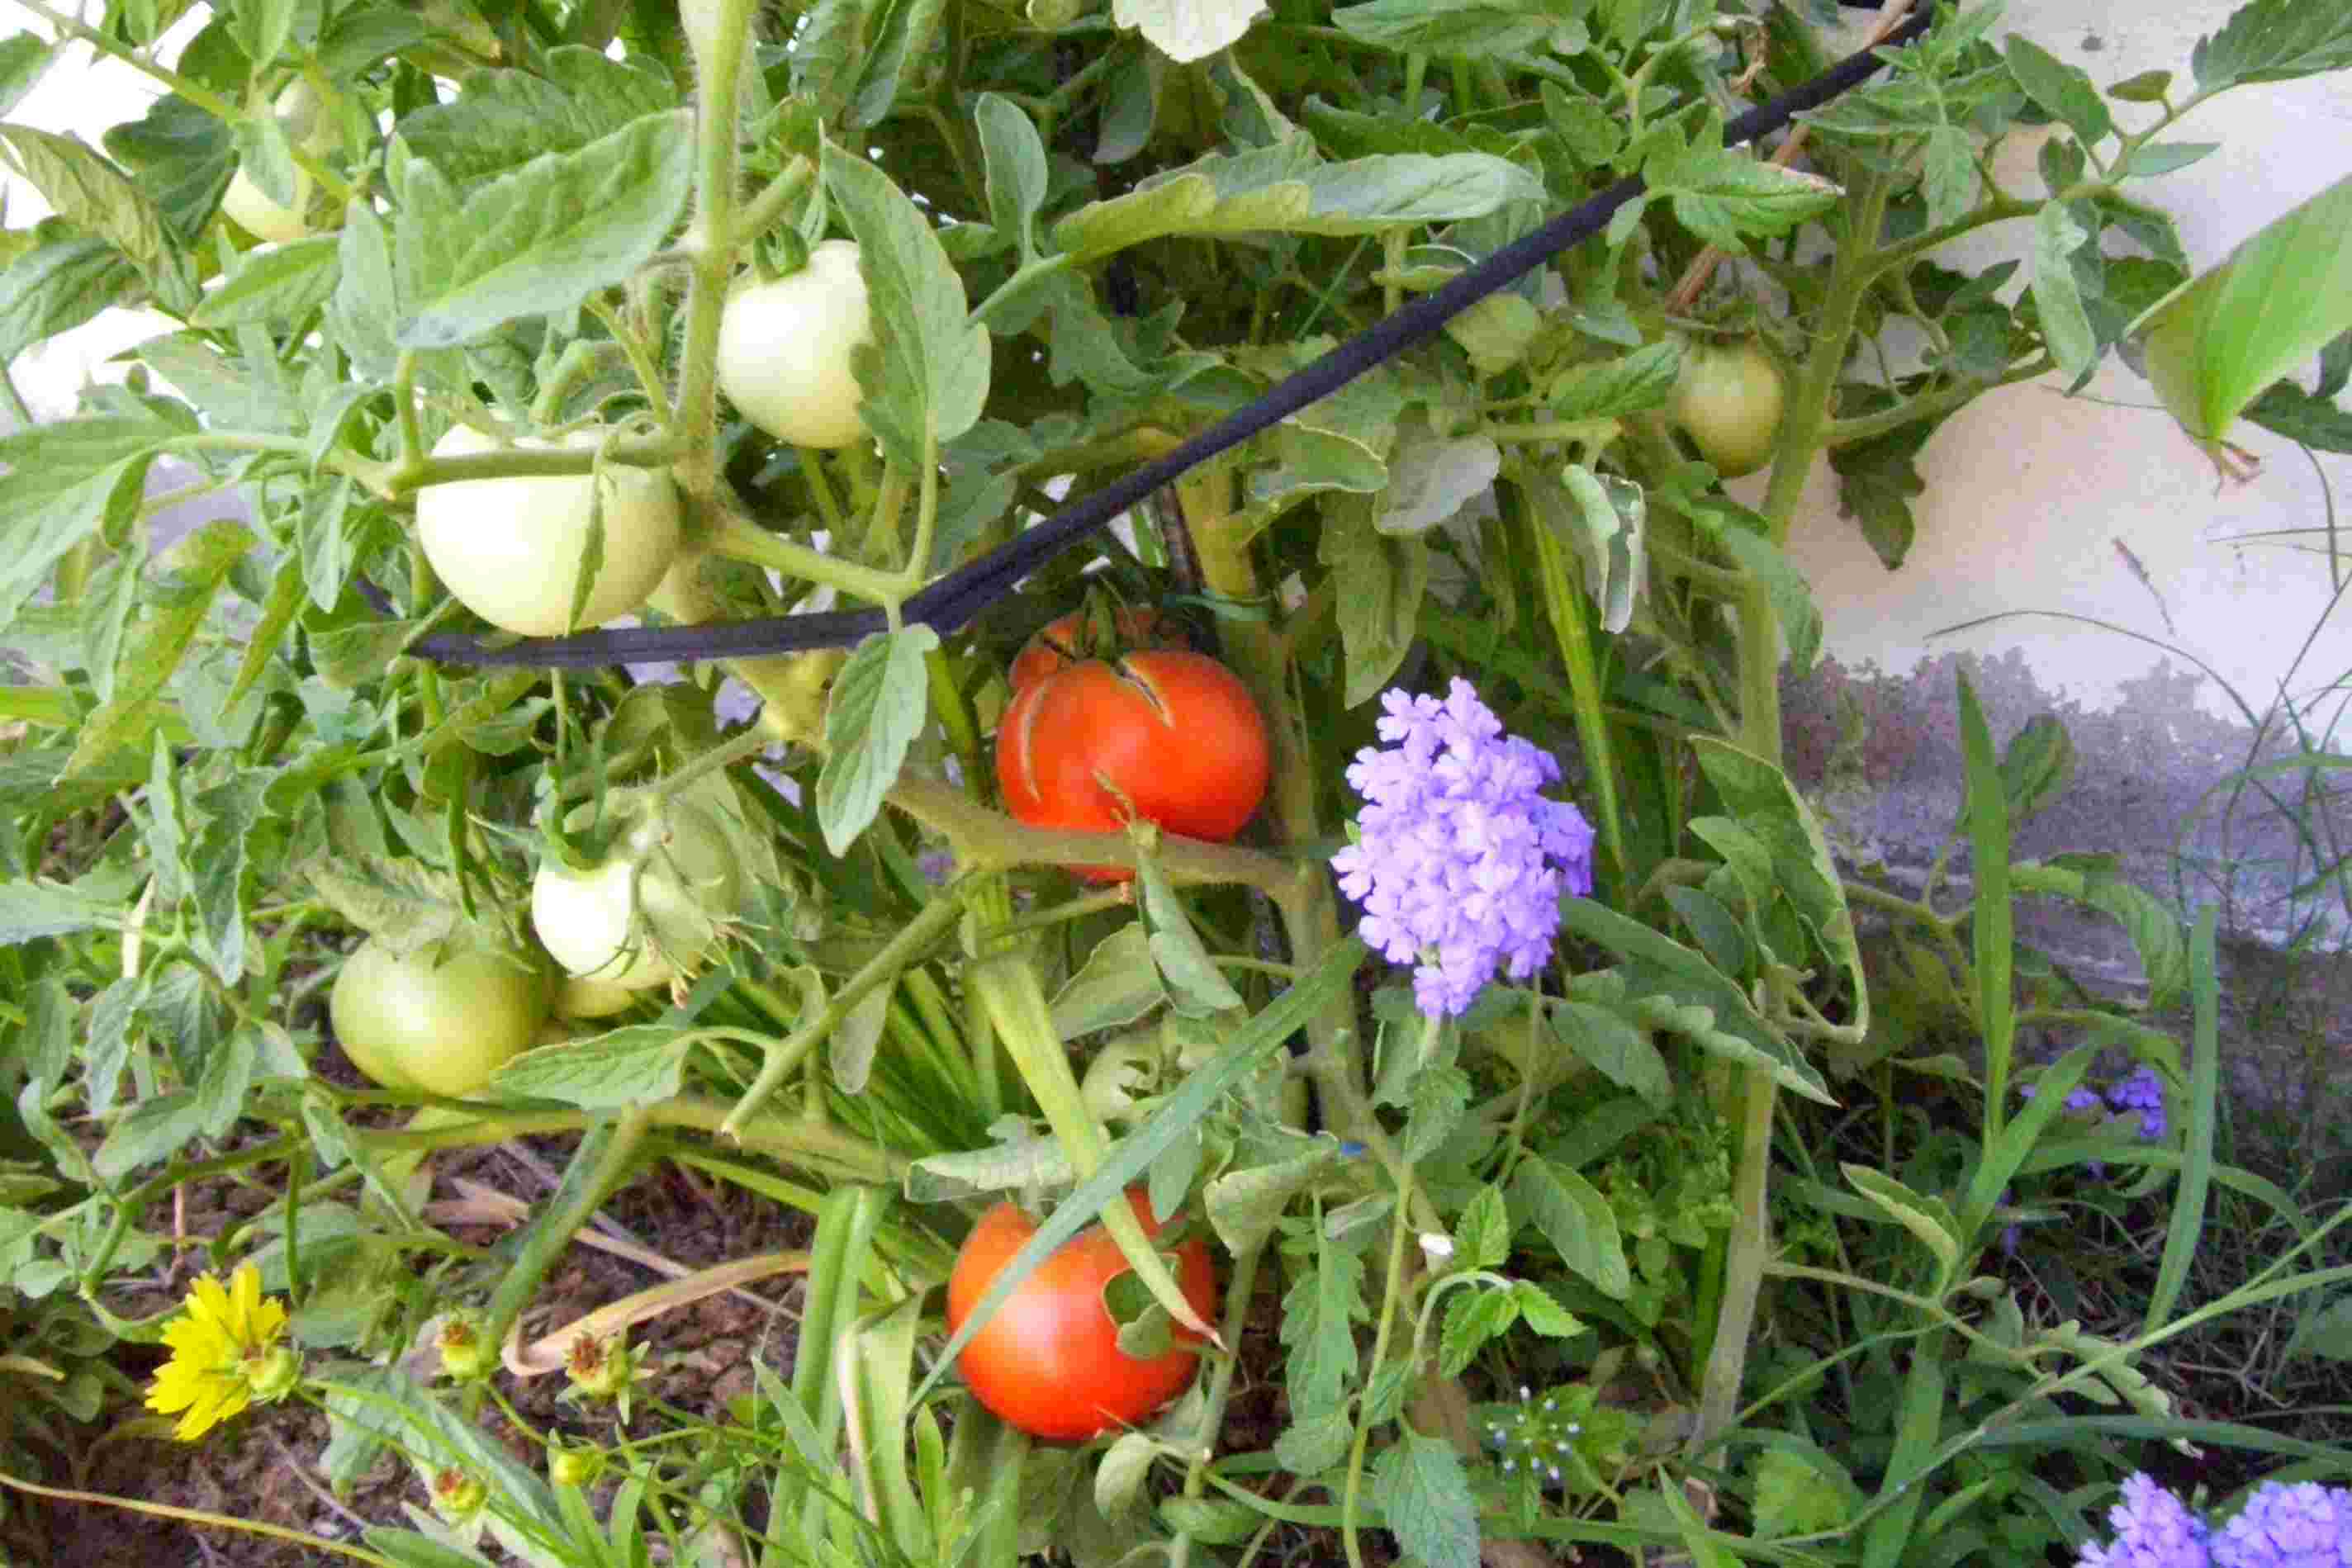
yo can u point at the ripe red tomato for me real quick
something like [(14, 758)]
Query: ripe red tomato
[(1165, 735), (1065, 642), (1049, 1361)]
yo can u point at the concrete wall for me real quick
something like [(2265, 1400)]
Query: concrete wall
[(2037, 502)]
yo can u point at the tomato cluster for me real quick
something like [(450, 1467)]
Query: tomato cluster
[(1048, 1361), (1165, 735)]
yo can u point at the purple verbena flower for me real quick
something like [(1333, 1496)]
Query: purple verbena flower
[(2142, 1091), (1459, 861), (2153, 1529), (2305, 1526)]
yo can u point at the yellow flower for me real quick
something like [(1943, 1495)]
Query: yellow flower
[(225, 1354)]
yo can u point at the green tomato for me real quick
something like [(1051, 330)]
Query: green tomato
[(784, 350), (510, 549), (250, 207), (442, 1018), (648, 913), (1728, 402), (577, 998)]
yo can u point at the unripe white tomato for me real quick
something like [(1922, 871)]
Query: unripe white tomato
[(250, 208), (784, 348), (510, 549), (652, 910)]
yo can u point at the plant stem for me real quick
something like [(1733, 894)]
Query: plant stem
[(554, 1232), (1239, 1288)]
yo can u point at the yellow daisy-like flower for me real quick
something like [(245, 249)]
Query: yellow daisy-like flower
[(225, 1354)]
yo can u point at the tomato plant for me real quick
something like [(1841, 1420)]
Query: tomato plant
[(1165, 735), (643, 915), (510, 549), (442, 1018), (1727, 401), (1048, 1361), (784, 349), (252, 209), (1067, 639)]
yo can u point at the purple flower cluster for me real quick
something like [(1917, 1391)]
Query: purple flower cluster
[(2301, 1526), (2142, 1091), (1459, 861)]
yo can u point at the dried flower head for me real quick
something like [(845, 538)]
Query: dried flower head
[(1459, 861)]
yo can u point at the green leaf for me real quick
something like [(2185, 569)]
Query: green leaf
[(2273, 40), (1482, 1233), (272, 284), (399, 900), (2165, 157), (55, 287), (1285, 188), (101, 200), (408, 1549), (64, 482), (2062, 89), (898, 31), (1425, 1498), (1577, 1220), (504, 118), (1466, 28), (1246, 1205), (1544, 1315), (1016, 171), (2147, 87), (558, 229), (1325, 1303), (1708, 1005), (1117, 985), (30, 910), (1433, 478), (231, 811), (1763, 800), (2325, 1333), (1929, 1218), (1474, 1317), (1724, 195), (364, 314), (928, 381), (182, 157), (1188, 30), (1609, 389), (1309, 1447), (2058, 234), (363, 35), (1876, 479), (23, 59), (1612, 1047), (1196, 988), (1801, 1490), (2285, 409), (1440, 1096), (1377, 583), (2155, 931), (878, 704), (640, 1064), (2219, 342), (181, 587), (152, 1130), (1604, 519)]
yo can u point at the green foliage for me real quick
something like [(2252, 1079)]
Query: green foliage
[(226, 756)]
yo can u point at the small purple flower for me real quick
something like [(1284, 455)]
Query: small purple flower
[(2142, 1091), (1459, 861), (2153, 1529), (2305, 1526)]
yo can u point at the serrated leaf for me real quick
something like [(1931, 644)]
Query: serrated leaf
[(275, 284), (880, 702), (1607, 388), (401, 901), (1285, 188), (1577, 1220), (504, 118), (1319, 1317), (1377, 585), (1425, 1501), (1473, 1316), (930, 375), (180, 588), (1244, 1205), (90, 193), (1311, 1448), (1440, 1095), (55, 288), (2060, 89), (2273, 40), (64, 482), (559, 228), (1724, 196), (181, 156), (1482, 1234), (1540, 1312), (1450, 27), (641, 1064)]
